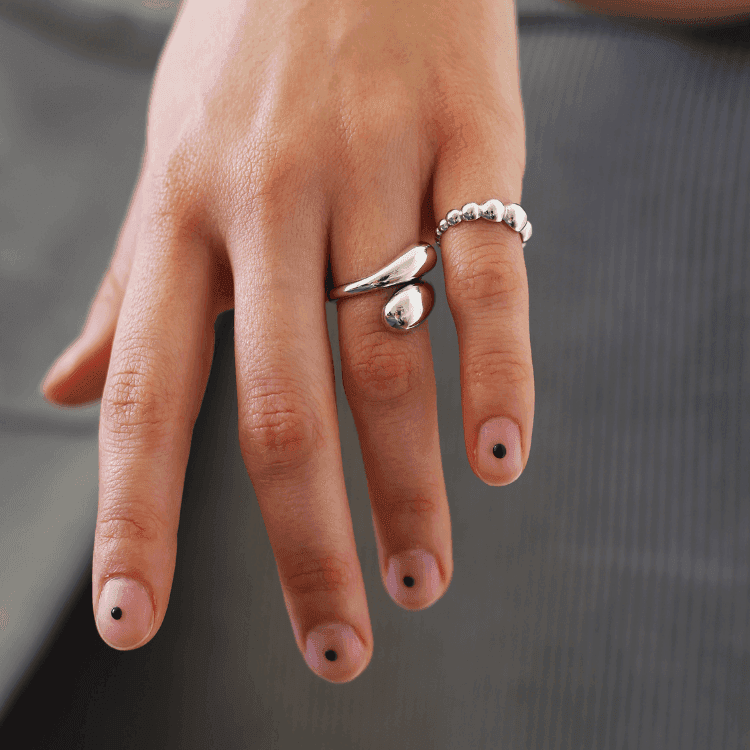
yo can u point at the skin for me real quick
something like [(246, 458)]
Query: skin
[(285, 140)]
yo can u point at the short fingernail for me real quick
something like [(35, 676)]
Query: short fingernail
[(334, 652), (125, 616), (498, 455), (413, 579)]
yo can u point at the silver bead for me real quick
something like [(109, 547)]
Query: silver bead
[(515, 217), (493, 210), (443, 226), (526, 232), (409, 306), (453, 217), (470, 212)]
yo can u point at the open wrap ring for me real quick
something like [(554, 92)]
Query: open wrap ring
[(411, 304)]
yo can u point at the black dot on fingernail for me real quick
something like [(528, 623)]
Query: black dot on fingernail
[(331, 655), (116, 613), (499, 451), (408, 581)]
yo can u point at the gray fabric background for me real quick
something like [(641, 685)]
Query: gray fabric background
[(601, 601)]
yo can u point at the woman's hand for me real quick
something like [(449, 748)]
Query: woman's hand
[(283, 137)]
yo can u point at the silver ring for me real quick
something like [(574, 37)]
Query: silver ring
[(412, 302), (493, 210), (410, 305)]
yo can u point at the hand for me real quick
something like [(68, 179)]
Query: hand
[(274, 129)]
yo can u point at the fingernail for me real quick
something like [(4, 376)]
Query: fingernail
[(334, 652), (498, 454), (413, 579), (125, 616)]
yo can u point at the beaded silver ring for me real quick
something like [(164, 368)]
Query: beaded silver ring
[(493, 210)]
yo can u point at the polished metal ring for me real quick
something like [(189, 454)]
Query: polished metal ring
[(412, 302), (493, 210)]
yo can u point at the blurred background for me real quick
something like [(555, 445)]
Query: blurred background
[(601, 601)]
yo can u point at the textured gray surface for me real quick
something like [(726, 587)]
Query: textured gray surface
[(601, 601)]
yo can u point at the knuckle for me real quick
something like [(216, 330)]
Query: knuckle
[(280, 428), (124, 522), (500, 367), (276, 174), (474, 115), (466, 119), (486, 276), (174, 178), (367, 121), (136, 401), (419, 505), (176, 205), (381, 369), (365, 126), (268, 171), (313, 576)]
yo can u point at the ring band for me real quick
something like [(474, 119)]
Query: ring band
[(493, 210), (410, 304), (413, 301)]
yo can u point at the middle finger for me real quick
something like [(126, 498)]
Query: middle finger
[(289, 434), (389, 377)]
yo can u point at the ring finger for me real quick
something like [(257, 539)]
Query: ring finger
[(289, 437)]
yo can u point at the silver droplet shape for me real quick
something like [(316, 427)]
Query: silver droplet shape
[(515, 217), (409, 306), (443, 225), (471, 212), (526, 232), (453, 217), (494, 210)]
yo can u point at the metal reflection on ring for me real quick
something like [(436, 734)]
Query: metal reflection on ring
[(408, 266), (411, 304)]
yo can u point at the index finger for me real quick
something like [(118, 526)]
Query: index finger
[(487, 291)]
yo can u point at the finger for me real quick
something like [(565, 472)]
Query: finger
[(289, 436), (78, 374), (487, 291), (389, 380), (161, 359)]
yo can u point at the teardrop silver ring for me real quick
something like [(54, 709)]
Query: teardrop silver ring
[(410, 305)]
